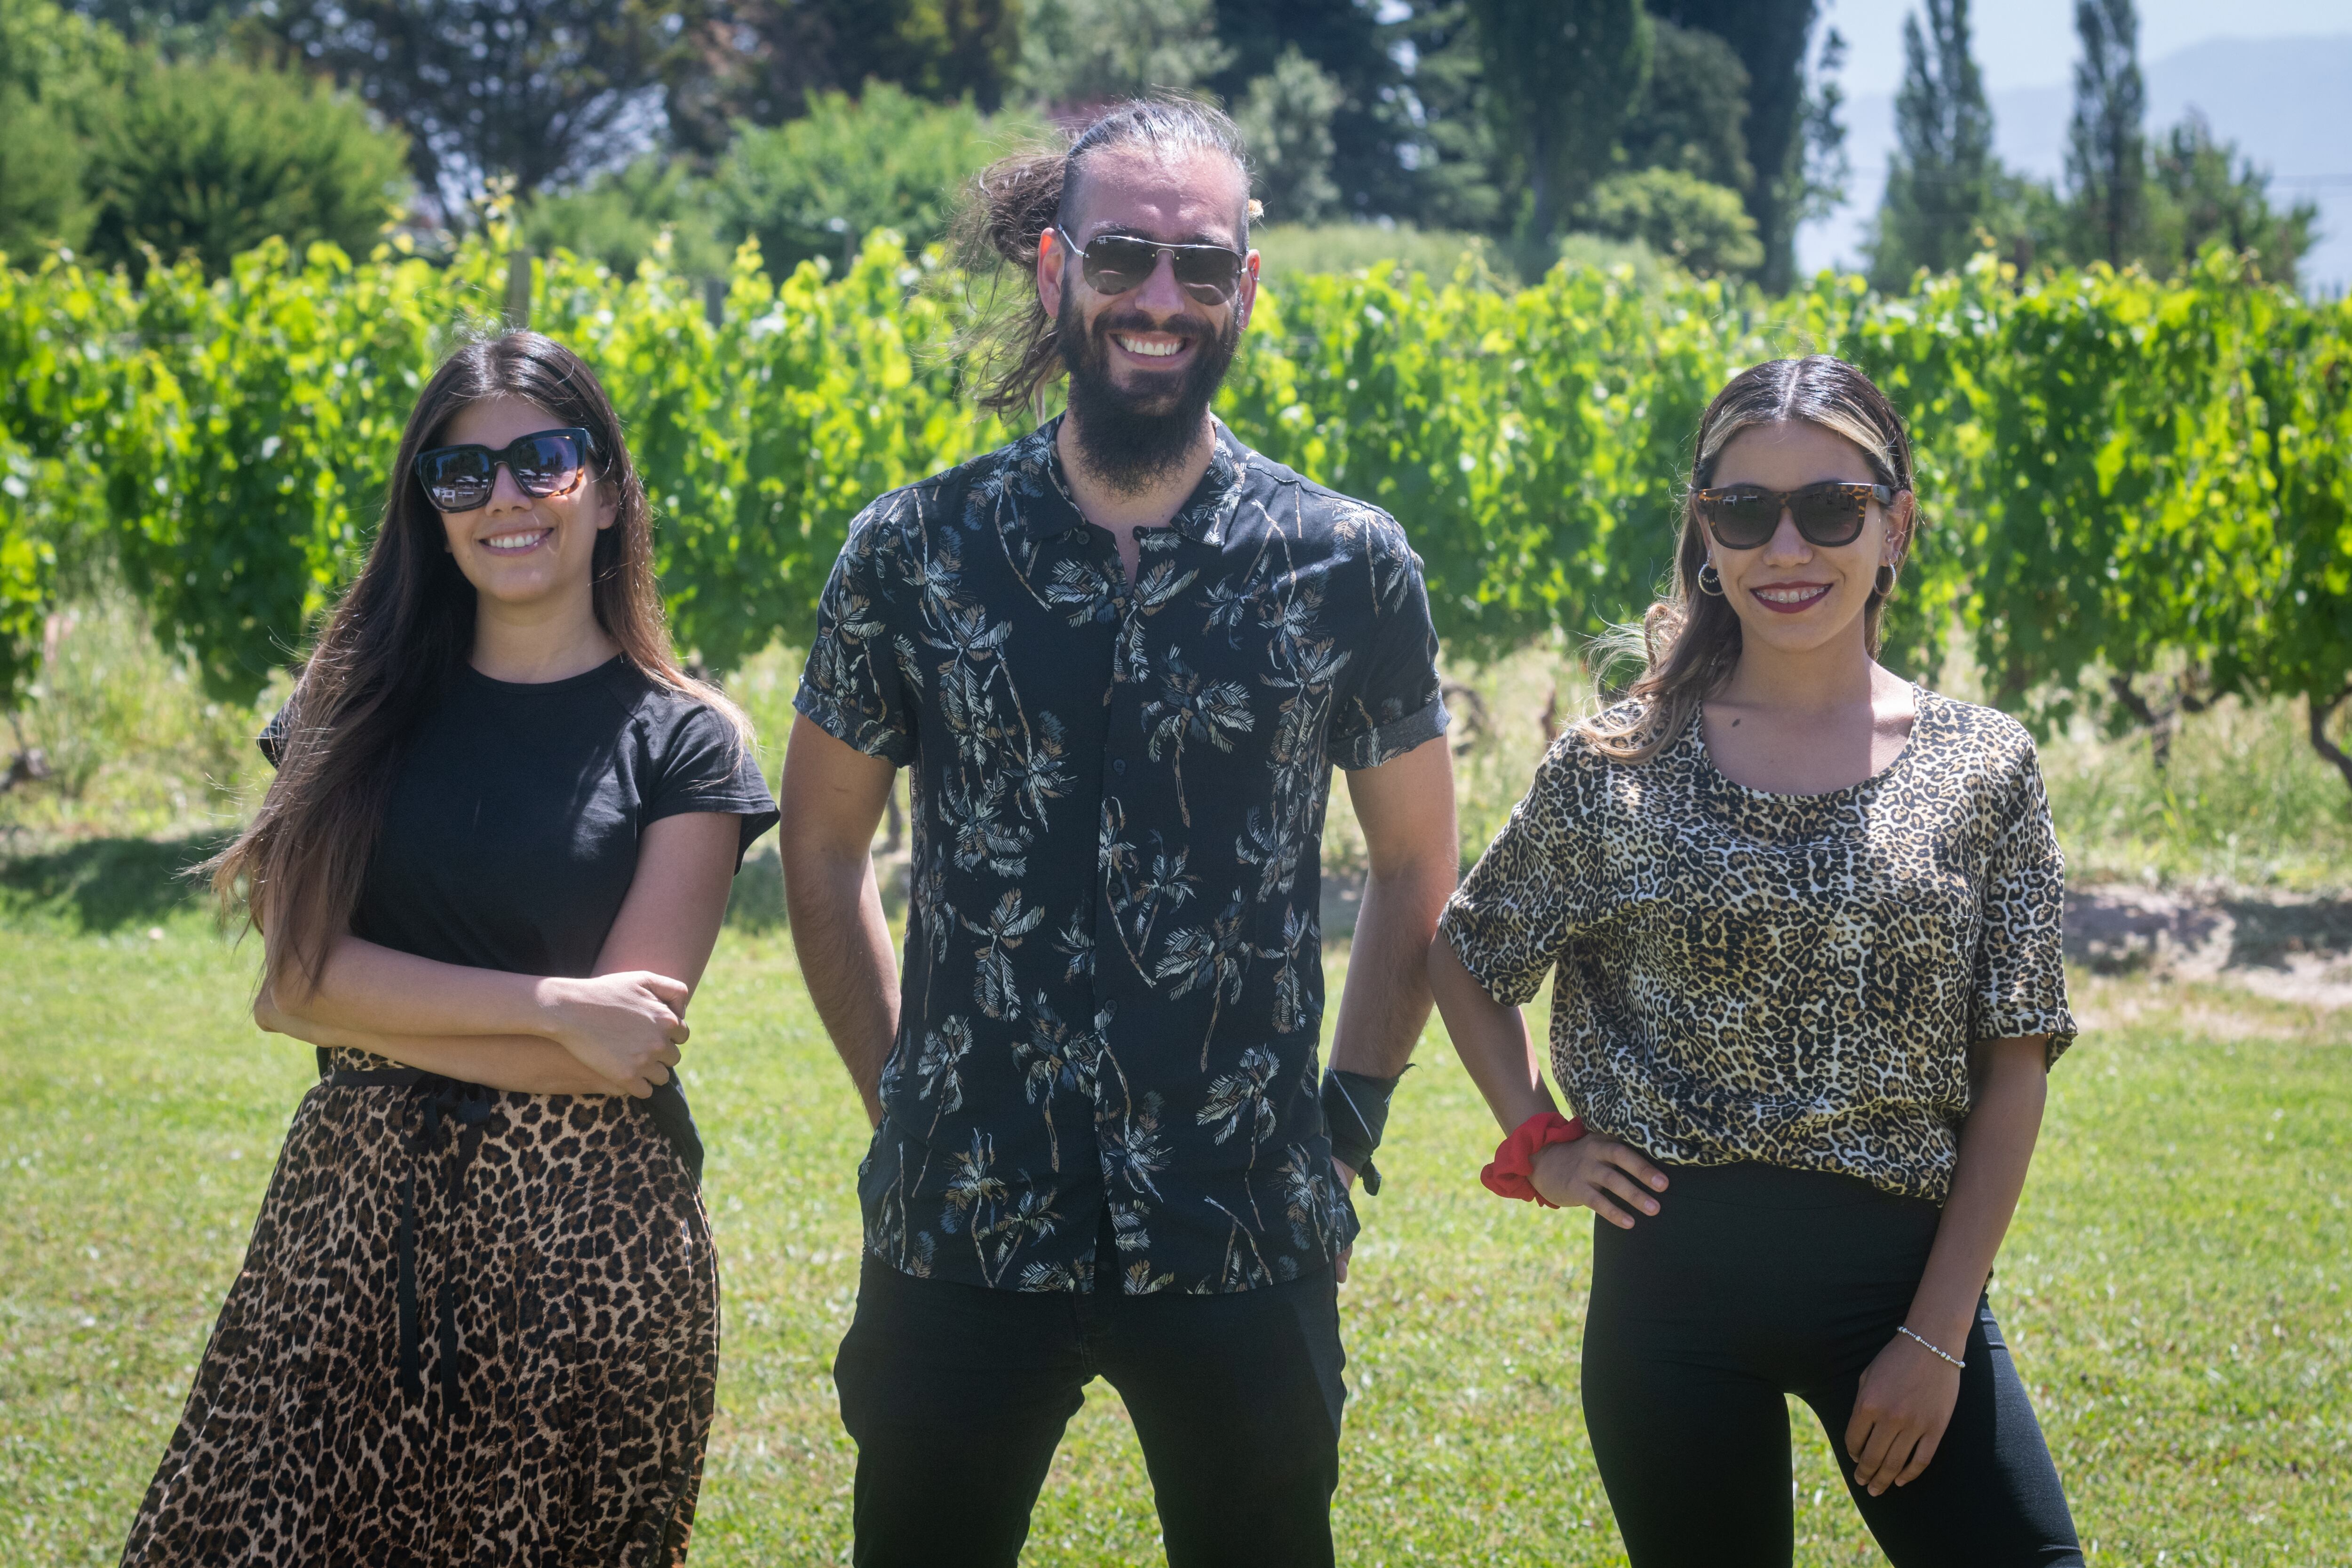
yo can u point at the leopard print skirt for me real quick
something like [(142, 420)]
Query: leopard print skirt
[(469, 1330)]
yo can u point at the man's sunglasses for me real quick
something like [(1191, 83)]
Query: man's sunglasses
[(544, 463), (1120, 263), (1742, 517)]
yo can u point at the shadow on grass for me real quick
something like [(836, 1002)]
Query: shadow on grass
[(104, 884)]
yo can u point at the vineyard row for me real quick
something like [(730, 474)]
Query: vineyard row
[(2120, 480)]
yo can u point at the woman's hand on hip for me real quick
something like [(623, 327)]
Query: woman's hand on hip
[(1899, 1414), (625, 1027), (1599, 1173)]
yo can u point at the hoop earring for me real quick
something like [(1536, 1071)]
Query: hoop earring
[(1885, 582), (1710, 580)]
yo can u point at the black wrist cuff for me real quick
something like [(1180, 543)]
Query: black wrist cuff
[(1355, 1114)]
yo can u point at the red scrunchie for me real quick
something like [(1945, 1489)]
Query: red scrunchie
[(1515, 1157)]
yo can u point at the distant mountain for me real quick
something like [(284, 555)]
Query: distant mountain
[(2282, 100)]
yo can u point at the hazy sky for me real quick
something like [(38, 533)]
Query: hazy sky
[(2031, 43)]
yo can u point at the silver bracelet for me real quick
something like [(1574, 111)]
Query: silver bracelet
[(1932, 1349)]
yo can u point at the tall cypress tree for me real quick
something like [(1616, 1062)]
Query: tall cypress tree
[(1940, 179), (2106, 151)]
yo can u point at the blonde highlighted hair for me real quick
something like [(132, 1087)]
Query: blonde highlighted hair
[(1688, 642)]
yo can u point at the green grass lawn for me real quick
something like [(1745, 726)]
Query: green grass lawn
[(2175, 1285)]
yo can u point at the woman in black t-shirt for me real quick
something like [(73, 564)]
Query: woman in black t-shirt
[(478, 1319)]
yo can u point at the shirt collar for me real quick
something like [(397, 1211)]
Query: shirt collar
[(1049, 511)]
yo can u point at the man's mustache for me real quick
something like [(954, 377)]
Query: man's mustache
[(1185, 327)]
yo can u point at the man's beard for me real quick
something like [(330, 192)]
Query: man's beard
[(1131, 440)]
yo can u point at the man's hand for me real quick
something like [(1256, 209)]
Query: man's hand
[(832, 797), (1346, 1174), (1406, 807)]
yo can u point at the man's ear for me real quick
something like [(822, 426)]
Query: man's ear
[(1245, 297), (1049, 272)]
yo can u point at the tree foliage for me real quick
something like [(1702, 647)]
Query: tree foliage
[(1939, 180), (1347, 43), (1286, 121), (2106, 146), (760, 60), (2202, 194), (1693, 112), (1561, 76), (535, 91), (1081, 52), (1771, 38)]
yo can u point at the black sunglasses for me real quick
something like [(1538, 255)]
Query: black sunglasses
[(1743, 517), (544, 463), (1121, 263)]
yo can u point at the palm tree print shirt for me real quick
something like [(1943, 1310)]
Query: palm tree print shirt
[(1112, 988)]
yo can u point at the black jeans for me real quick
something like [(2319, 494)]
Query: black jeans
[(1753, 1282), (956, 1395)]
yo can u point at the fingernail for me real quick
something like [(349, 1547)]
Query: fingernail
[(1659, 1182), (1649, 1206)]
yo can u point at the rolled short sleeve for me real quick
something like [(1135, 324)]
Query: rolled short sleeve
[(2020, 981), (1526, 898), (861, 684), (701, 762), (1395, 701)]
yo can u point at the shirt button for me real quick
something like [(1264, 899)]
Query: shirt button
[(1118, 766)]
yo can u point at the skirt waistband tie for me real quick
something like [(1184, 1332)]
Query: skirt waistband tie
[(448, 1113)]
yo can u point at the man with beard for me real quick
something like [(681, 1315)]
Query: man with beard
[(1120, 656)]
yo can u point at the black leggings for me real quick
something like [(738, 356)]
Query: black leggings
[(1753, 1282)]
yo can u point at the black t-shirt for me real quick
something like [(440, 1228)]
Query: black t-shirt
[(511, 837), (511, 834)]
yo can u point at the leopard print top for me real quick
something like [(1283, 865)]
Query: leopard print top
[(1791, 978)]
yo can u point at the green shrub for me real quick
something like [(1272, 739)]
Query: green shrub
[(60, 75), (210, 158), (41, 202), (619, 218), (1704, 226), (56, 56), (1289, 251), (814, 187), (1652, 272)]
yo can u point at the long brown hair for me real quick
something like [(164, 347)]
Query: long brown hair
[(400, 635), (1688, 642), (1016, 199)]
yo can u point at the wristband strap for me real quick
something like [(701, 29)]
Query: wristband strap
[(1355, 1114), (1932, 1349), (1515, 1157)]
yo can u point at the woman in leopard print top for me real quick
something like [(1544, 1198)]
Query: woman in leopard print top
[(1804, 917)]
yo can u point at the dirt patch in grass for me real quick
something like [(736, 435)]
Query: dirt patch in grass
[(2289, 947)]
